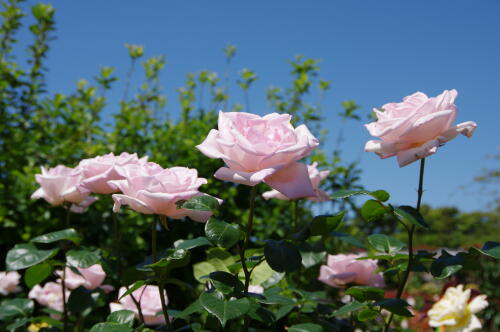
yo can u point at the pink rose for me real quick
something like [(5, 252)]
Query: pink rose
[(158, 193), (256, 289), (101, 169), (9, 282), (344, 269), (50, 295), (262, 149), (59, 185), (90, 277), (316, 177), (415, 128), (150, 303)]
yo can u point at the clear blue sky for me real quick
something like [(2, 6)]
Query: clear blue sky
[(373, 52)]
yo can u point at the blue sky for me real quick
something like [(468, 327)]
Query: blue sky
[(372, 51)]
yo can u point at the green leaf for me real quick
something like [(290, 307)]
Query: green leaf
[(69, 234), (224, 310), (226, 283), (260, 313), (396, 306), (193, 243), (200, 203), (111, 327), (411, 215), (311, 254), (37, 273), (282, 256), (365, 293), (26, 255), (17, 324), (138, 284), (348, 193), (306, 327), (348, 239), (385, 244), (491, 249), (367, 314), (11, 308), (221, 233), (372, 211), (122, 317), (380, 195), (191, 309), (347, 308), (446, 265), (324, 224), (172, 259), (83, 258)]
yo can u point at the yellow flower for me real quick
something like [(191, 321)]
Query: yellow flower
[(35, 327), (455, 312)]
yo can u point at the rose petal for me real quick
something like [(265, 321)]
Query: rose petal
[(209, 147), (292, 181), (406, 157), (248, 178), (134, 203), (465, 128), (428, 127)]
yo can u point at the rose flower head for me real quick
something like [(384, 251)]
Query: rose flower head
[(159, 193), (414, 128), (9, 282), (262, 149), (456, 312), (58, 185), (316, 177), (344, 269)]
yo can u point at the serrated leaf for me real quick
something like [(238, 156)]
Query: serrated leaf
[(224, 310), (447, 264), (306, 327), (192, 243), (226, 283), (25, 255), (396, 306), (200, 203), (491, 249), (372, 210), (347, 308), (69, 234), (411, 215), (37, 273), (11, 308), (221, 233), (173, 258), (385, 244), (367, 314), (80, 299), (111, 327), (380, 195), (282, 256), (83, 258), (122, 317), (324, 224), (138, 284), (365, 293)]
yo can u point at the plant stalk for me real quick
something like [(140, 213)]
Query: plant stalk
[(154, 256), (411, 230), (247, 238), (65, 310)]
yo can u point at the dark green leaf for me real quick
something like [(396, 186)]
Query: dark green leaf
[(83, 258), (380, 195), (365, 293), (200, 203), (191, 309), (193, 243), (372, 211), (172, 259), (282, 256), (311, 254), (260, 313), (306, 327), (348, 239), (111, 327), (221, 233), (491, 249), (226, 283), (26, 255), (138, 284), (385, 244), (80, 299), (324, 224), (396, 306), (411, 215), (347, 308), (446, 265), (69, 234), (348, 193), (11, 308), (17, 324), (122, 317), (37, 273), (224, 310), (367, 314)]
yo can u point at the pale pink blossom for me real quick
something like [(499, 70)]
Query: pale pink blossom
[(9, 282), (316, 177), (415, 128), (345, 269), (150, 303), (101, 169), (159, 193), (91, 277), (50, 295), (257, 289), (262, 149), (58, 185)]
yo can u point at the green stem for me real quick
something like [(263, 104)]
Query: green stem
[(247, 238), (65, 311), (158, 276), (411, 230)]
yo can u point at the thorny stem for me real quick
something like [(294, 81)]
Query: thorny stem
[(160, 282), (410, 242)]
